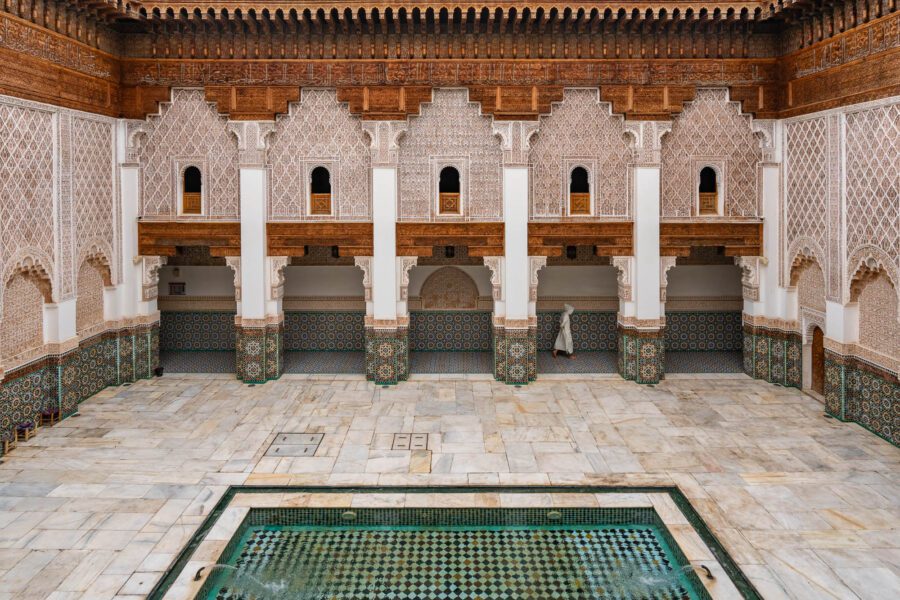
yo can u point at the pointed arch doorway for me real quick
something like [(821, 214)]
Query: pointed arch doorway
[(817, 378)]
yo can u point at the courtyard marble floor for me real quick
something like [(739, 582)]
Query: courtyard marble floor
[(99, 505)]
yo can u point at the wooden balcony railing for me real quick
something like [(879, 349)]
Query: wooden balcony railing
[(709, 203), (579, 204), (191, 203), (449, 203), (320, 204)]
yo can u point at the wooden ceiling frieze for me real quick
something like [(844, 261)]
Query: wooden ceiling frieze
[(162, 238), (609, 238), (739, 238), (480, 239), (293, 239)]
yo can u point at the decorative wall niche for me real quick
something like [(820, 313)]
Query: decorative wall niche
[(704, 203), (321, 204), (580, 203), (189, 202)]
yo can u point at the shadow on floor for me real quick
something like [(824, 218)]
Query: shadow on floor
[(197, 361), (451, 362), (584, 362), (704, 362), (325, 363)]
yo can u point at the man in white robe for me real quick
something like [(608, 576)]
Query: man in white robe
[(563, 341)]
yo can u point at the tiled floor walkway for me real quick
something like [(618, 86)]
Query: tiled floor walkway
[(451, 362), (99, 505), (584, 362), (325, 362), (197, 361), (704, 362)]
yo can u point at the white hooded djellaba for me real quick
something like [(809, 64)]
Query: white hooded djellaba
[(563, 341)]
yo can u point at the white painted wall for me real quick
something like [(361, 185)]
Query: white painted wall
[(199, 281), (323, 281), (481, 276), (704, 281), (645, 285), (577, 280), (384, 224), (516, 269)]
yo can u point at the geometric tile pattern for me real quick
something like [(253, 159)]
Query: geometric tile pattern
[(62, 382), (863, 393), (197, 330), (641, 355), (324, 331), (258, 353), (197, 361), (453, 331), (451, 362), (579, 129), (591, 330), (704, 362), (704, 331), (449, 563), (319, 127), (325, 363), (584, 362), (515, 355), (710, 126), (387, 355), (774, 356)]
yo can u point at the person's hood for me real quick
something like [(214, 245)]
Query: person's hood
[(568, 308)]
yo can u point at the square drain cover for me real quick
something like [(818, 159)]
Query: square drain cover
[(410, 441), (295, 444)]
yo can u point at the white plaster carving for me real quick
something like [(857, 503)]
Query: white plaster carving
[(646, 140), (750, 271), (276, 276), (384, 141), (666, 264), (406, 263), (580, 131), (535, 264), (253, 141), (515, 139), (234, 263), (450, 126), (624, 266), (495, 265), (150, 266), (365, 263)]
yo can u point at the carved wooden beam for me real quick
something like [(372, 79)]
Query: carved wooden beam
[(420, 239), (161, 238), (739, 238), (291, 239), (610, 238)]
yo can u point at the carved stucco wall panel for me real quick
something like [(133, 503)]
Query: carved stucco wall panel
[(319, 129), (873, 186), (187, 130), (96, 208), (879, 329), (26, 186), (712, 127), (580, 129), (21, 322), (89, 304), (450, 127), (449, 288)]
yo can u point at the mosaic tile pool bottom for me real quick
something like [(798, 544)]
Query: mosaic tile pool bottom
[(428, 554)]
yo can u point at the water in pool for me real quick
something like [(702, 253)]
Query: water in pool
[(451, 561)]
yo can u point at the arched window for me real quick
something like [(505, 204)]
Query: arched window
[(192, 192), (448, 190), (320, 191), (709, 192), (579, 192)]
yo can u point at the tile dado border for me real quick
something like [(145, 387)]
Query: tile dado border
[(863, 393), (197, 303), (61, 381), (773, 355), (692, 537), (641, 355)]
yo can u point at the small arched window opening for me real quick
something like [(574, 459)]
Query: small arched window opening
[(709, 191), (320, 191), (448, 192), (579, 192), (192, 192)]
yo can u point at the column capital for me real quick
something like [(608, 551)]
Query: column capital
[(253, 141), (515, 139), (646, 142), (384, 138), (770, 140), (666, 264)]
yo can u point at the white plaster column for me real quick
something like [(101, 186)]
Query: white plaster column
[(252, 137), (842, 322), (388, 270), (646, 280), (518, 303), (59, 323)]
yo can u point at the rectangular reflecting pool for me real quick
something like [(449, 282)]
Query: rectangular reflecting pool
[(451, 553)]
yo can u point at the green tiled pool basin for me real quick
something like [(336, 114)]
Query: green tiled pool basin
[(438, 554)]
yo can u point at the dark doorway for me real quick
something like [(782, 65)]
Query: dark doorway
[(818, 361)]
